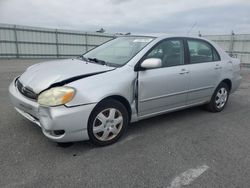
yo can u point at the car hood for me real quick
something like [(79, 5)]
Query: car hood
[(43, 75)]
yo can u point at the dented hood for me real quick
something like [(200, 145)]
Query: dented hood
[(43, 75)]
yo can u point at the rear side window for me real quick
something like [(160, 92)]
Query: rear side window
[(201, 52)]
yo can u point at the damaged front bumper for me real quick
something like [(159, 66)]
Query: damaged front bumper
[(60, 124)]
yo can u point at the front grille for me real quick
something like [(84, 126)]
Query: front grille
[(26, 91)]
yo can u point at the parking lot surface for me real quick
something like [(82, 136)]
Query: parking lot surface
[(190, 148)]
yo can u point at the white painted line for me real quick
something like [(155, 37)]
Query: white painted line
[(188, 176)]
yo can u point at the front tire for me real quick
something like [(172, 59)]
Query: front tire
[(219, 98), (108, 122)]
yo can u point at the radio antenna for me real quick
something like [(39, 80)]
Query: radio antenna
[(191, 28)]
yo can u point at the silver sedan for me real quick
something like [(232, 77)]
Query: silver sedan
[(96, 95)]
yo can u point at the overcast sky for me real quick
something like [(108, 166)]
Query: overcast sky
[(136, 16)]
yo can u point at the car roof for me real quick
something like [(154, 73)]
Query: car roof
[(179, 36), (165, 36)]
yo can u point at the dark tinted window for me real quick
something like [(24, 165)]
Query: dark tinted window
[(169, 51)]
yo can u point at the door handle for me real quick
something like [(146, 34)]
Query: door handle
[(216, 68), (184, 71)]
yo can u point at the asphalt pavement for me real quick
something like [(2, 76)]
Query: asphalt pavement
[(188, 148)]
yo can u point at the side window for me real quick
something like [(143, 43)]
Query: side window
[(215, 56), (171, 52), (200, 51)]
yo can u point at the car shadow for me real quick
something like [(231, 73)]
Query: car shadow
[(167, 120)]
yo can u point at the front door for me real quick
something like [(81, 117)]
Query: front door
[(163, 88)]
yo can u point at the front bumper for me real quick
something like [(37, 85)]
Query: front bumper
[(60, 124)]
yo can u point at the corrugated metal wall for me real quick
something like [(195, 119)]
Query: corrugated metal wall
[(238, 45), (33, 42)]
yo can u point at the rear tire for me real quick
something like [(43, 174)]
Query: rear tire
[(219, 98), (108, 122)]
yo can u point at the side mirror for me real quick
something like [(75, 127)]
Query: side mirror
[(151, 63)]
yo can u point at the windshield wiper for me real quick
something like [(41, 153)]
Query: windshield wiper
[(83, 58), (95, 60), (99, 61)]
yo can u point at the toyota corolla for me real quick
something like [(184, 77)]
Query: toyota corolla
[(95, 96)]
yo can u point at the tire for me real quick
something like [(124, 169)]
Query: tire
[(108, 122), (216, 103)]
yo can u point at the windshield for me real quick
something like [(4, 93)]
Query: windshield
[(119, 51)]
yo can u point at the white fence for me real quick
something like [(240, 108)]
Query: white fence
[(34, 42), (236, 44)]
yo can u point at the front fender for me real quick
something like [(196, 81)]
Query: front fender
[(95, 88)]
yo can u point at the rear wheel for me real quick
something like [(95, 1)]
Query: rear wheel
[(107, 122), (219, 98)]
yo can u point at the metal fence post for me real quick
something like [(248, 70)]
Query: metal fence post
[(57, 48), (231, 45), (86, 41), (16, 42)]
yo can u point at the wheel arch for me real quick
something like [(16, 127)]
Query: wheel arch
[(228, 82), (122, 100)]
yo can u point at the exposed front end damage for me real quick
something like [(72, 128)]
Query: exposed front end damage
[(59, 123)]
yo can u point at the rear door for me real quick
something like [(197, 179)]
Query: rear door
[(166, 87), (205, 70)]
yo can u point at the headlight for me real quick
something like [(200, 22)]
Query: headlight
[(56, 96)]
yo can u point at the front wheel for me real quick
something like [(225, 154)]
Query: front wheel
[(107, 122), (219, 98)]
